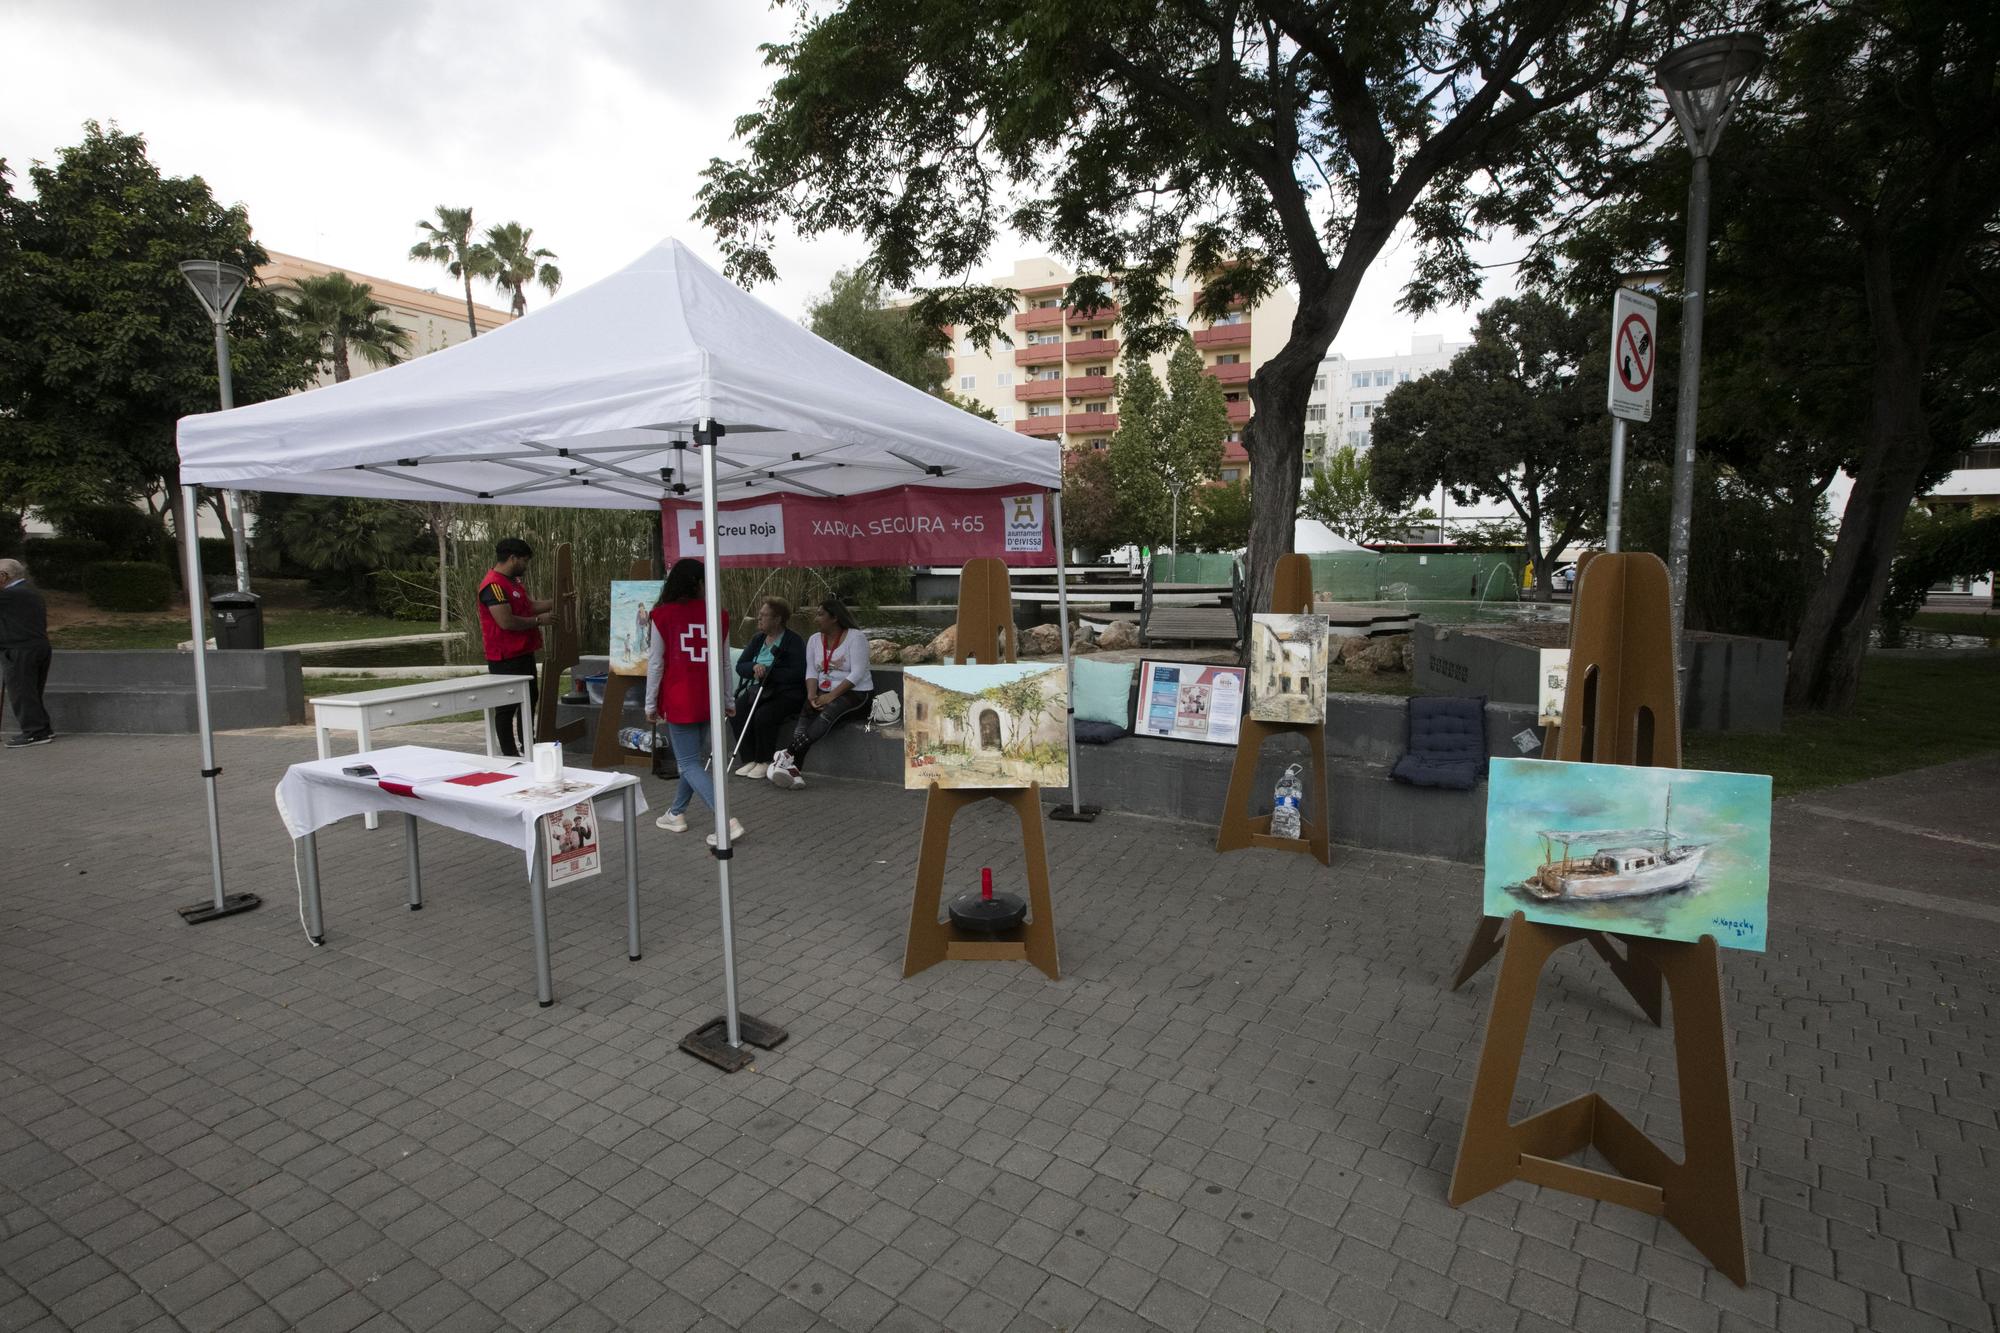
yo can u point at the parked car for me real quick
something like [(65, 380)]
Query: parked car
[(1564, 579)]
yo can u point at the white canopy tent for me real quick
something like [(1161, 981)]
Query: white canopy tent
[(595, 402), (1312, 537)]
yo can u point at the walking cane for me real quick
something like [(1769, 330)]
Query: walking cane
[(741, 734)]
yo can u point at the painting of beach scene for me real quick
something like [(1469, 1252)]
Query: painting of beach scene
[(631, 626), (992, 726), (1670, 853), (1288, 665)]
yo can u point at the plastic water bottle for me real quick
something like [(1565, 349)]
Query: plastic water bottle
[(1285, 805), (639, 740)]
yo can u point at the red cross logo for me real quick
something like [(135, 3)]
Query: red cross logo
[(694, 643), (695, 532)]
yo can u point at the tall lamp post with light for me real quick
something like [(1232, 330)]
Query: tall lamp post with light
[(218, 285), (1704, 83)]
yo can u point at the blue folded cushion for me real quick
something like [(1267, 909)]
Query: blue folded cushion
[(1447, 746), (1098, 733)]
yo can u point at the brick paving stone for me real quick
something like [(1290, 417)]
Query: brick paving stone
[(1240, 1116)]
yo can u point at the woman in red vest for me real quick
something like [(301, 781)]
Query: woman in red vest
[(677, 667)]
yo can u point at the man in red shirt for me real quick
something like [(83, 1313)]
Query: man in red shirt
[(508, 621)]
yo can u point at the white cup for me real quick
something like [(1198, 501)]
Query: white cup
[(548, 761)]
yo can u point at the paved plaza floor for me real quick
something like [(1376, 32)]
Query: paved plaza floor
[(1238, 1109)]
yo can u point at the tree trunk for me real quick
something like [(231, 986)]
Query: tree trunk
[(1825, 670), (341, 369), (471, 320)]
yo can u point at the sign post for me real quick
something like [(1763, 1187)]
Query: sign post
[(1634, 354)]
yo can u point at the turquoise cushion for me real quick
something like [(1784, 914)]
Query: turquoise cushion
[(1104, 691)]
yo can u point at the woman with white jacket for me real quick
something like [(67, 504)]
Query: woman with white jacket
[(838, 683)]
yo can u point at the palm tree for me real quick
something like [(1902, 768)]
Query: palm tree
[(516, 263), (448, 241), (342, 314)]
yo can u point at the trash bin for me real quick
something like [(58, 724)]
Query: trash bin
[(238, 620)]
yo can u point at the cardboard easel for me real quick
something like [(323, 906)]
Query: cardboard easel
[(1291, 594), (1620, 703), (561, 655), (1620, 708), (985, 633), (605, 751)]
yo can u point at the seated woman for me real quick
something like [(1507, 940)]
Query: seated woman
[(838, 684), (774, 661)]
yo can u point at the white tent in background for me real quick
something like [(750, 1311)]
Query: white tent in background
[(1311, 537), (662, 380)]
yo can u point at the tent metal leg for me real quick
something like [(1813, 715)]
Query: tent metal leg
[(538, 906), (223, 904), (720, 1040), (629, 803), (416, 868), (1076, 811), (307, 850)]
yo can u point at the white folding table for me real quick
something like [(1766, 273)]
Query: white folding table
[(314, 794), (367, 711)]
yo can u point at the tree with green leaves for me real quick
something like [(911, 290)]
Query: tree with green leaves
[(1221, 519), (1090, 500), (448, 242), (1283, 140), (1341, 498), (102, 347), (1518, 416), (1168, 443), (854, 315), (343, 316), (514, 260)]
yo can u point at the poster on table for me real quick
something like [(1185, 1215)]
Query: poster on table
[(569, 841), (997, 726), (1188, 701), (909, 525), (1671, 853), (1551, 684), (1288, 664), (632, 602)]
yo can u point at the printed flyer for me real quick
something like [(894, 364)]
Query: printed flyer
[(1188, 701), (571, 844)]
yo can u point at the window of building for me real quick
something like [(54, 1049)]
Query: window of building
[(1054, 373), (1233, 437), (1100, 444), (1044, 339), (1003, 412), (1357, 438), (1319, 384), (1044, 409), (1383, 377), (1097, 407), (1230, 473), (1355, 411), (1047, 302), (1316, 412), (1233, 317), (1360, 379), (1232, 397), (1403, 377), (1229, 359), (1004, 378), (1098, 370), (968, 382)]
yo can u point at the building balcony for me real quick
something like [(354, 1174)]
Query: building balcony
[(1091, 349), (1223, 335), (1238, 412), (1046, 427), (1035, 391), (1092, 423), (1079, 386), (1234, 453), (1033, 321), (1044, 289), (1098, 315), (1039, 354), (1236, 374)]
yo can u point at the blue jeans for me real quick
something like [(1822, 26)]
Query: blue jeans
[(690, 742)]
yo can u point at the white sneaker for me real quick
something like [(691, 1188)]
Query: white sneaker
[(735, 832), (759, 771), (747, 771), (798, 779), (672, 822), (780, 771)]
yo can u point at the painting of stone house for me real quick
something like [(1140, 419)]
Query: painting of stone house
[(995, 726), (1288, 665)]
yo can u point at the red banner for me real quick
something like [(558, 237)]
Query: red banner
[(911, 525)]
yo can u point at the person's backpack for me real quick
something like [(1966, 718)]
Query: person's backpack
[(886, 711)]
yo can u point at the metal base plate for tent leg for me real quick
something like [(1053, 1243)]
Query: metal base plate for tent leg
[(196, 913), (1080, 814), (710, 1042)]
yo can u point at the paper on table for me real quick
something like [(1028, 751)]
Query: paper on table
[(414, 766)]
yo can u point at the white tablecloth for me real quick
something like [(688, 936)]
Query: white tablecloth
[(314, 794)]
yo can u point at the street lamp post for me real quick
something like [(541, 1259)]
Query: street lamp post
[(1704, 83), (218, 286)]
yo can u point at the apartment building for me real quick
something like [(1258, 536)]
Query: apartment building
[(1974, 485), (1058, 380), (1348, 391), (434, 320)]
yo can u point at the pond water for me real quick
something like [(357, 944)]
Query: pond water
[(1477, 613)]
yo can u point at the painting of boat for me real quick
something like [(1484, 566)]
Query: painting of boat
[(1622, 863), (1669, 853)]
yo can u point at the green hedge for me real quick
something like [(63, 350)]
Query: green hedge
[(59, 562), (127, 532), (128, 585)]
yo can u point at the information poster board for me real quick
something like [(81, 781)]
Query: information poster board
[(1551, 684), (1190, 701), (570, 841)]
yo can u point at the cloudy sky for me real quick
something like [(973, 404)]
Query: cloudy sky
[(339, 123)]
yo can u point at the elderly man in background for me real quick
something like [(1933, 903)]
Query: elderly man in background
[(24, 654)]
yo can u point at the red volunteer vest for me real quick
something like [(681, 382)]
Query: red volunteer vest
[(682, 631), (501, 644)]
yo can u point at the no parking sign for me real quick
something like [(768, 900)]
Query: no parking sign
[(1634, 354)]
